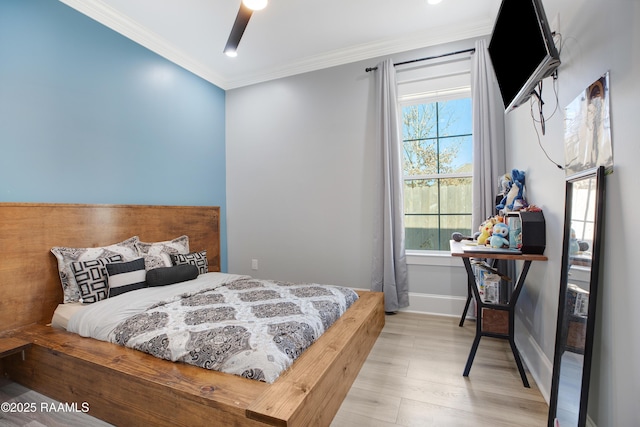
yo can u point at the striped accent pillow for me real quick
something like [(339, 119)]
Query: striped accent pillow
[(126, 276)]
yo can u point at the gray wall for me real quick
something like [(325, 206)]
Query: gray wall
[(299, 168), (299, 177), (299, 184), (599, 36)]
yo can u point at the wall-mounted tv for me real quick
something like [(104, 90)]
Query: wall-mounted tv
[(522, 50)]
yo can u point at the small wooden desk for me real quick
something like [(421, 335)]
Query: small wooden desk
[(457, 251)]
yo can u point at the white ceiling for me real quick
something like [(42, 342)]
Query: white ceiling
[(289, 36)]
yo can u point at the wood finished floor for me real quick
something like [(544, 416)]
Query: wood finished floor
[(412, 377)]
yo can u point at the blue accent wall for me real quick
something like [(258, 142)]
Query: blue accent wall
[(89, 116)]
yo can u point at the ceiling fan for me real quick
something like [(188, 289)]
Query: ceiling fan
[(247, 7)]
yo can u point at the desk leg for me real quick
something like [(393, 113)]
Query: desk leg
[(471, 283), (510, 337), (516, 356), (512, 315), (472, 355), (466, 305)]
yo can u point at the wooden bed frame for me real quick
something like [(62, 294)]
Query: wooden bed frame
[(128, 387)]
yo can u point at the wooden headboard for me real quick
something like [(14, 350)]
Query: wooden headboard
[(30, 288)]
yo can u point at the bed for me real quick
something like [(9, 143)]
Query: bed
[(128, 387)]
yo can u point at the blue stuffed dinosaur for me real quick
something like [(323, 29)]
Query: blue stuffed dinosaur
[(516, 192), (513, 190)]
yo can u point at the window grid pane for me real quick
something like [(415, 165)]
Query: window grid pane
[(433, 145)]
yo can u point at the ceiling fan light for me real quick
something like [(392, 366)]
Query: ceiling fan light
[(255, 4)]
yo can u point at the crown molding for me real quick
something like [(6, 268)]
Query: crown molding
[(120, 23), (111, 18), (361, 53)]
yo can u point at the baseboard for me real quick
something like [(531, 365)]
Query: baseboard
[(442, 305), (536, 362)]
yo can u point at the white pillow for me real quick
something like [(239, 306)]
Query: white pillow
[(66, 256), (158, 254)]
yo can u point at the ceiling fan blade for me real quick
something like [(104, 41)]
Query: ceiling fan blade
[(242, 19)]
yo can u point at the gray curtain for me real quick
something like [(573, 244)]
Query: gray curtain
[(488, 143), (488, 134), (389, 261)]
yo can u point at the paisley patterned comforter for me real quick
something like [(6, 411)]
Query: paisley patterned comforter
[(243, 326)]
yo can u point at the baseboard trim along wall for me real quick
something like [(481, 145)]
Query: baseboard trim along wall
[(442, 305), (540, 367)]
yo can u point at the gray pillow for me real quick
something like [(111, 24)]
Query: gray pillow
[(163, 276)]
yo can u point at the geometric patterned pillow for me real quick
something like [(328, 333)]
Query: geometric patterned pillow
[(91, 277), (157, 254), (199, 259), (126, 276), (67, 256)]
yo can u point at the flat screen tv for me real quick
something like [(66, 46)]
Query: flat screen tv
[(522, 50)]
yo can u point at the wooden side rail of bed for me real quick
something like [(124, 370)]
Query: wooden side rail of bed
[(128, 387)]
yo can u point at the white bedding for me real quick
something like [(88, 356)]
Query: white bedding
[(64, 312), (225, 322), (99, 319)]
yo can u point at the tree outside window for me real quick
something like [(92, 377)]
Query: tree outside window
[(437, 165)]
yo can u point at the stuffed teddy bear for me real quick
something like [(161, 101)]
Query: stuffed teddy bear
[(499, 235)]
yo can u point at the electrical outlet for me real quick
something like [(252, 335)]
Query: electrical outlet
[(254, 264)]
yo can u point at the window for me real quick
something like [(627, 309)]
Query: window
[(437, 165)]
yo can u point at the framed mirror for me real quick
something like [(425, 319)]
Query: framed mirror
[(583, 234)]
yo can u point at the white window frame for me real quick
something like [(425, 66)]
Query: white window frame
[(433, 257)]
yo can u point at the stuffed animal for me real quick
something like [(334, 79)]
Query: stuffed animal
[(499, 236), (574, 247), (504, 185), (485, 231), (516, 192)]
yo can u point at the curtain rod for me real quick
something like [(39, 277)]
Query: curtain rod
[(472, 50)]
